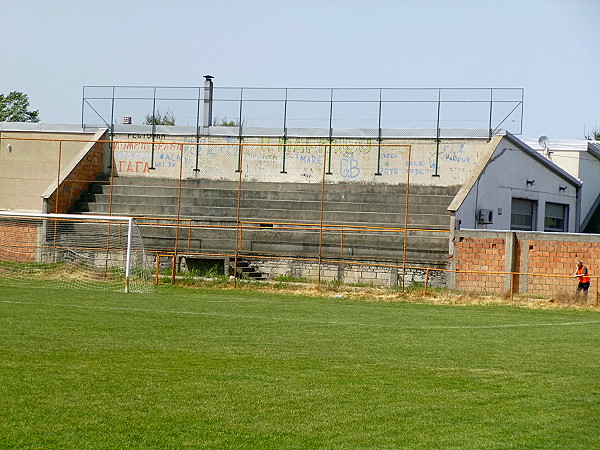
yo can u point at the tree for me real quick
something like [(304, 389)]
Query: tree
[(160, 119), (13, 108), (225, 122), (593, 135)]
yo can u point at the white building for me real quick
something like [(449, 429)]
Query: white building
[(516, 188), (581, 159)]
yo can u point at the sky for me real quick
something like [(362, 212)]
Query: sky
[(550, 48)]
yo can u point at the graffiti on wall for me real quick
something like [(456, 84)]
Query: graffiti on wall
[(291, 159)]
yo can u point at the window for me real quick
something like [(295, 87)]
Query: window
[(556, 218), (522, 215)]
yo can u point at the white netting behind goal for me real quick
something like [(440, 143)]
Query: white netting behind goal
[(78, 251)]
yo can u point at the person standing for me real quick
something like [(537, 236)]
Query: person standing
[(584, 277)]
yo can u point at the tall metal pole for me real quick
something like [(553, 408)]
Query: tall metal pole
[(239, 169), (379, 139), (198, 128), (83, 109), (330, 131), (490, 122), (437, 134), (522, 98), (284, 130), (112, 113), (112, 125), (153, 127)]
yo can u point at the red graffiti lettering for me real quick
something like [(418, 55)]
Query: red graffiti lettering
[(134, 166)]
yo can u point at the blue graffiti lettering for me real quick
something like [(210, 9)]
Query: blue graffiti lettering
[(349, 168), (310, 159)]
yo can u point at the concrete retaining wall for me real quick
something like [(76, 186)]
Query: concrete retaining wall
[(299, 160)]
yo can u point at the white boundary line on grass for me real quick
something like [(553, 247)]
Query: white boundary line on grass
[(325, 322)]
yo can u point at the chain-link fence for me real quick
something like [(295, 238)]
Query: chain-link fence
[(377, 112)]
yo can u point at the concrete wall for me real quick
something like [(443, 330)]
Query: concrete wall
[(30, 164), (264, 159), (504, 178)]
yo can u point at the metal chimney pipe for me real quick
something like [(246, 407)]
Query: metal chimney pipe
[(208, 101)]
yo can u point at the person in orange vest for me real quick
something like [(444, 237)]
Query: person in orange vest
[(584, 277)]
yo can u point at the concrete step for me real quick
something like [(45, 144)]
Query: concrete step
[(379, 248), (215, 203), (268, 186), (395, 219), (157, 194), (277, 187), (439, 204)]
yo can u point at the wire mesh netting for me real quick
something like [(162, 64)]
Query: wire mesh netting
[(74, 251), (376, 112)]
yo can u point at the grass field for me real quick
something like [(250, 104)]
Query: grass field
[(227, 369)]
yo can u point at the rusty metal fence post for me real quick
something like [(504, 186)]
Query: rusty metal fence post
[(322, 212), (238, 229), (406, 218), (174, 263), (157, 268)]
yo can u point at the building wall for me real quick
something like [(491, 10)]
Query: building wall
[(589, 168), (32, 163), (583, 166), (504, 178)]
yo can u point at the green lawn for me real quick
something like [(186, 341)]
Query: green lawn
[(226, 369)]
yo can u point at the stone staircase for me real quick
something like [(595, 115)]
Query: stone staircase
[(284, 217)]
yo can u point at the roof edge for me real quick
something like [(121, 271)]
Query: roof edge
[(464, 191)]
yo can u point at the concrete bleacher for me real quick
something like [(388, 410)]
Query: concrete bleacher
[(284, 218)]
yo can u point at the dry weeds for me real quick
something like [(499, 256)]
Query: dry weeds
[(433, 295)]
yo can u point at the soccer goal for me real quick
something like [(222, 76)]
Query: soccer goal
[(75, 250)]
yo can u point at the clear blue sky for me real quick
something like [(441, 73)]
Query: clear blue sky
[(551, 48)]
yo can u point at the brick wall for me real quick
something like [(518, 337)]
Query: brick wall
[(543, 263), (481, 255), (18, 241), (78, 181)]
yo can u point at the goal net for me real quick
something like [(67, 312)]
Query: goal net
[(74, 250)]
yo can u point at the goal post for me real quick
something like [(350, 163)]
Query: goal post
[(77, 250)]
